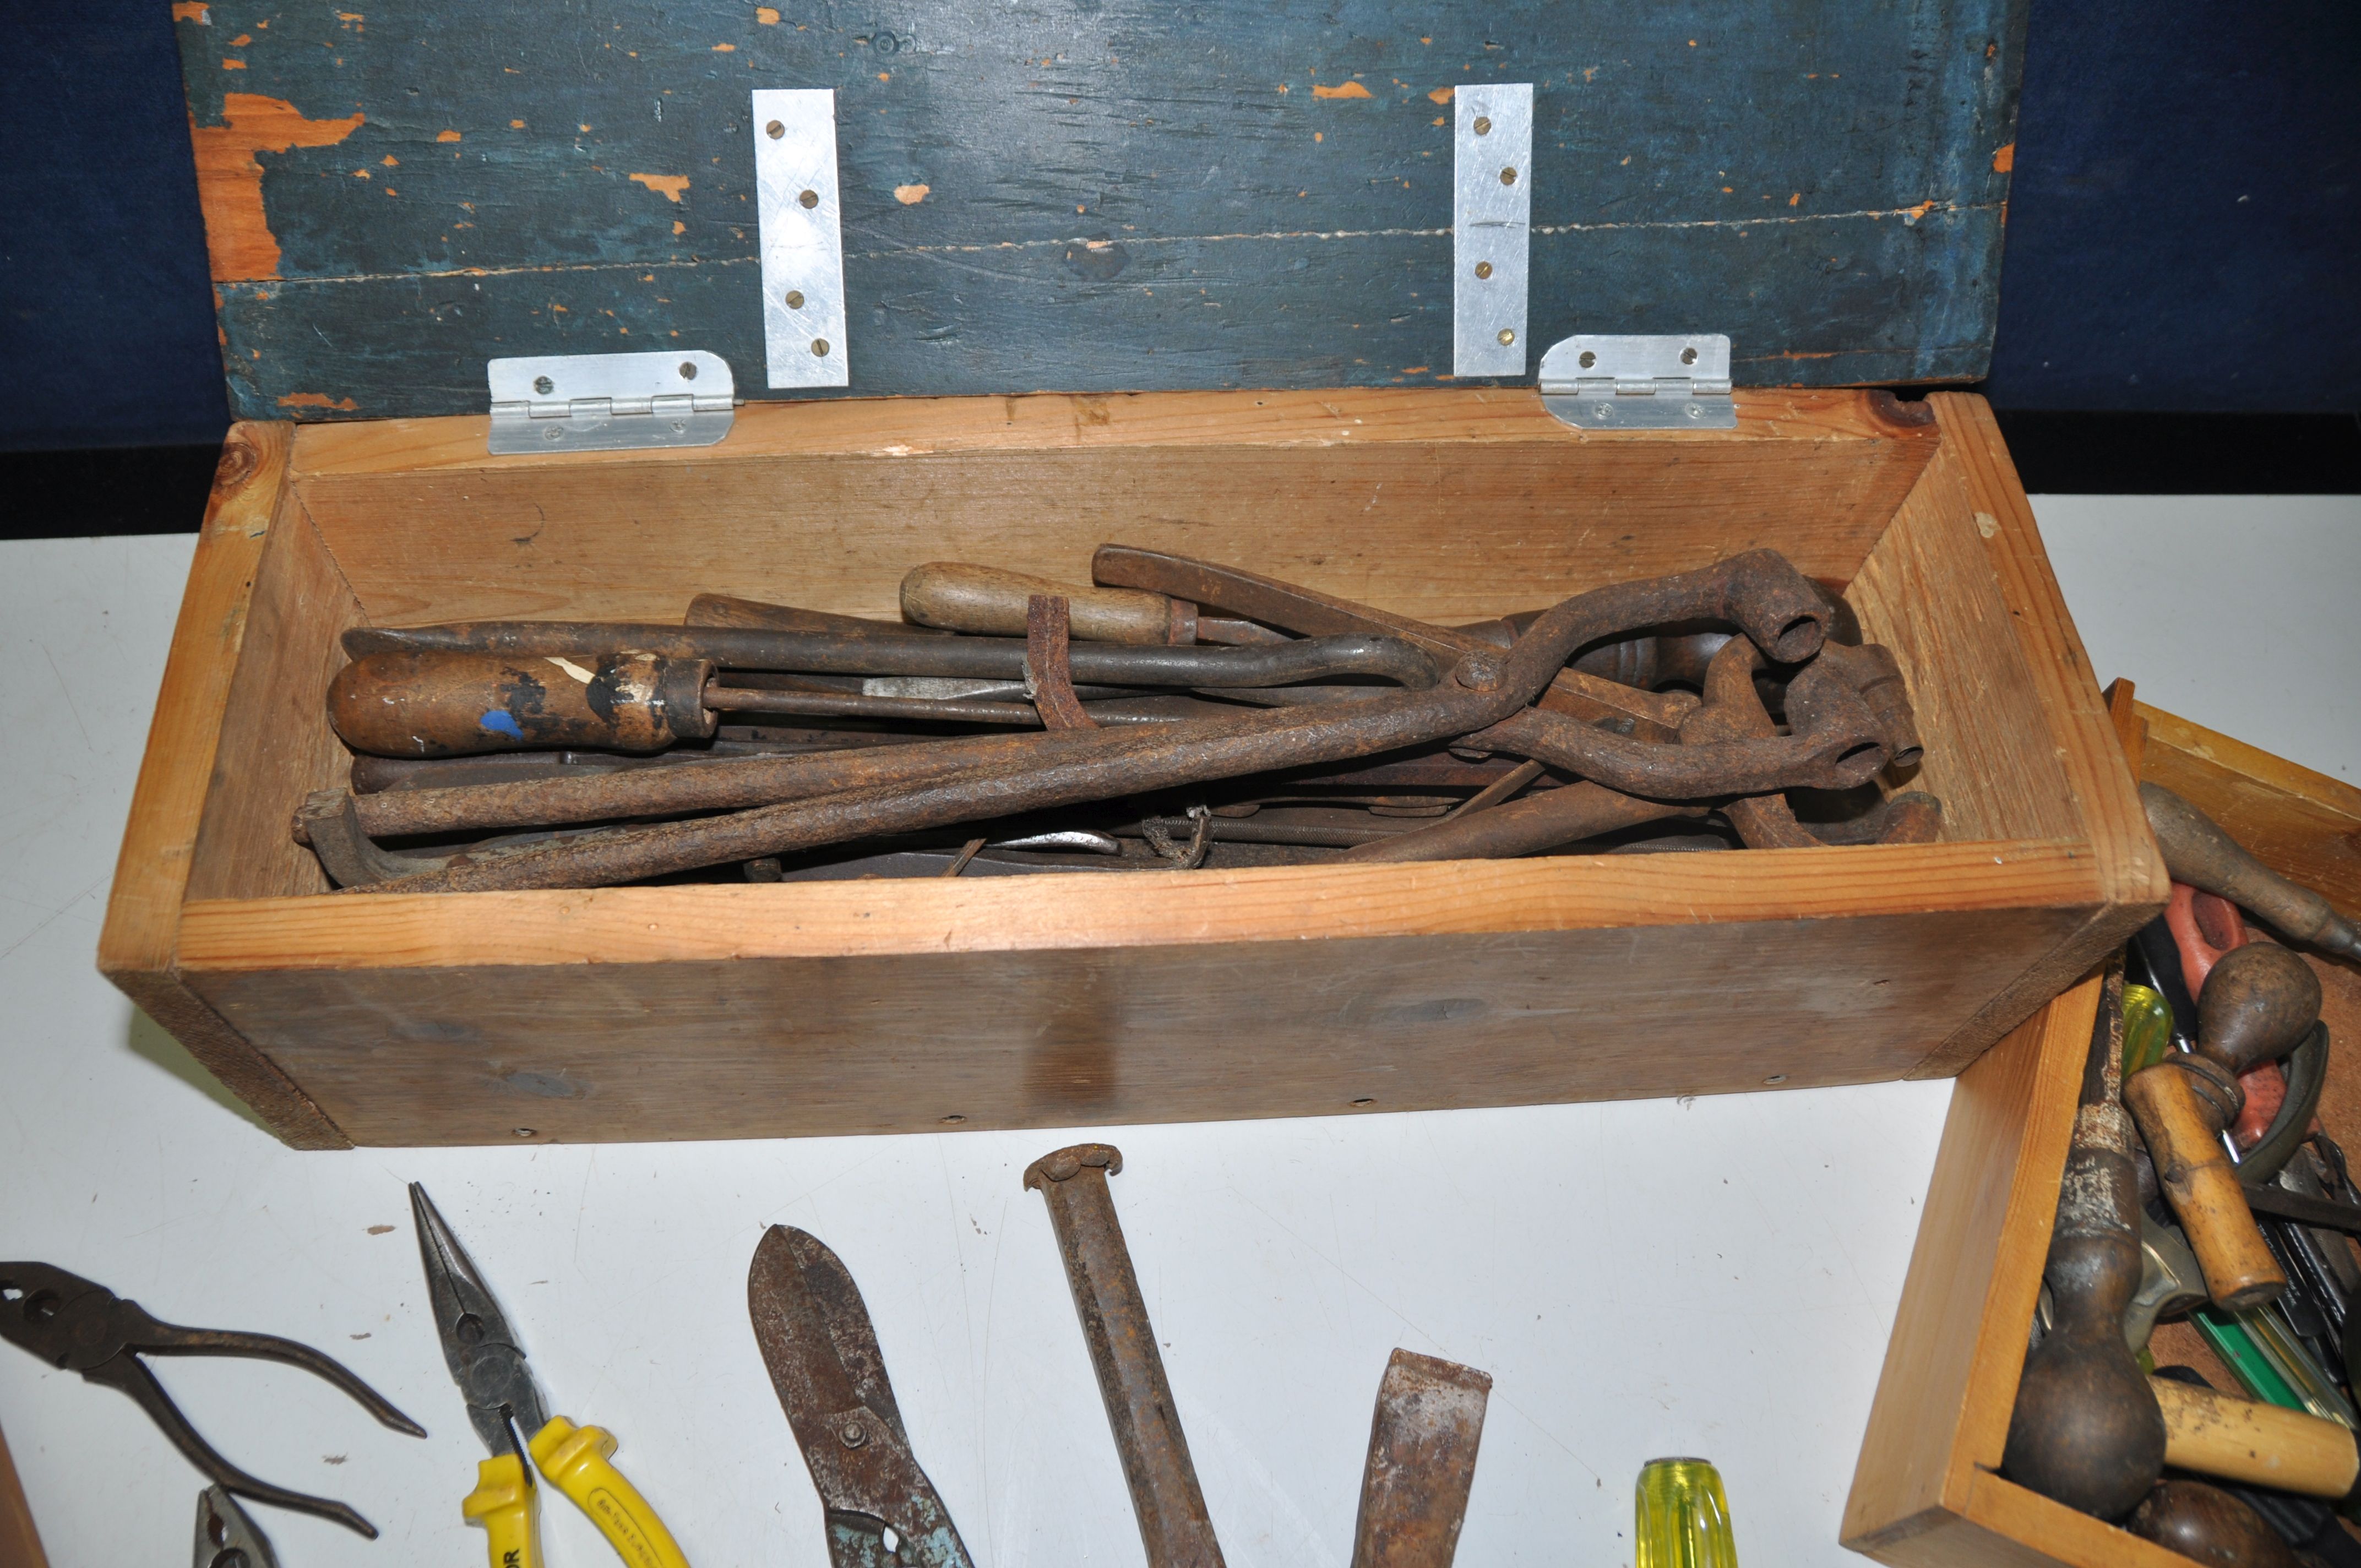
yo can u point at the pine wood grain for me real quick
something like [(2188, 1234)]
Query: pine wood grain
[(137, 948), (463, 1047), (2098, 787), (1950, 1372), (1289, 905), (20, 1543), (273, 747), (1440, 503)]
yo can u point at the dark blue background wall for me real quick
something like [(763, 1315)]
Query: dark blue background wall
[(2184, 231)]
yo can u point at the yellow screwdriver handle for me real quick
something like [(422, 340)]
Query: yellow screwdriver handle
[(504, 1502), (574, 1460)]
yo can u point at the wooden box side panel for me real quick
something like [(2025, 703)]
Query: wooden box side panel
[(1962, 590), (1446, 504), (1950, 1372), (275, 744), (466, 1051), (2303, 825), (138, 949)]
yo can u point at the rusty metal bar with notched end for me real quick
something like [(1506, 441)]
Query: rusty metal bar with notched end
[(1423, 1442), (1758, 591), (1649, 716), (1165, 1496)]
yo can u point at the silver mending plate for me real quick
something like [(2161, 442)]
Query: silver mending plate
[(1491, 226), (803, 247)]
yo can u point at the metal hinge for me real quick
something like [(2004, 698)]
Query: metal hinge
[(1604, 381), (603, 402)]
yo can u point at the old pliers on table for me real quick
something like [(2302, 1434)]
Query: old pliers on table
[(823, 1357), (78, 1326), (504, 1405)]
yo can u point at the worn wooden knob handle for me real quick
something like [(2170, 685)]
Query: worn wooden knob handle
[(2183, 1127), (2262, 1445), (456, 704), (960, 597)]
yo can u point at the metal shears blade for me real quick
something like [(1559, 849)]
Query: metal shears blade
[(822, 1353), (504, 1404)]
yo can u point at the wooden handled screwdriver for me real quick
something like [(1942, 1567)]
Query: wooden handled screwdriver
[(956, 596), (2258, 1003)]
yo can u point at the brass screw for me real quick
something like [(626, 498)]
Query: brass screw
[(794, 298), (1508, 336), (819, 348), (1483, 270), (1483, 126), (1508, 177), (774, 130), (809, 199)]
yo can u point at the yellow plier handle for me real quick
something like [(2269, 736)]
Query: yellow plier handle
[(505, 1503), (574, 1460)]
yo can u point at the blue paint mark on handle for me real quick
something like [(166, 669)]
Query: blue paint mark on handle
[(500, 723)]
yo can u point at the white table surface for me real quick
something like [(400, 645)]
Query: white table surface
[(1714, 1276)]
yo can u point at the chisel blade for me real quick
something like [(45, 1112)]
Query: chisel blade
[(1422, 1443)]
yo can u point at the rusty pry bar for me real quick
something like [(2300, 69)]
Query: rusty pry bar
[(1423, 1442), (1049, 678), (1831, 746), (1174, 1524)]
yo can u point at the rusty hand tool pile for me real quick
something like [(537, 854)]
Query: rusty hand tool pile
[(2199, 1185), (1020, 725)]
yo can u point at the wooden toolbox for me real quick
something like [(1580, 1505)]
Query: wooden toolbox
[(393, 201), (1927, 1492)]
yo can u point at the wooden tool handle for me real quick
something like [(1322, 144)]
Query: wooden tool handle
[(2197, 852), (2262, 1445), (2184, 1139), (962, 598), (456, 704)]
